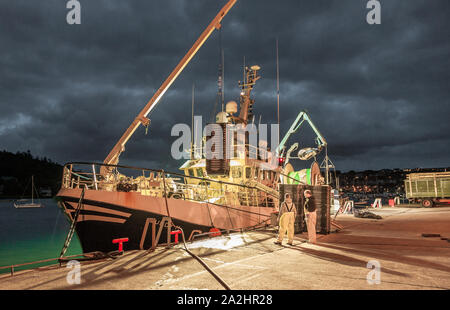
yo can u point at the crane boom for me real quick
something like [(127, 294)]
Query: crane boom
[(113, 156), (302, 116)]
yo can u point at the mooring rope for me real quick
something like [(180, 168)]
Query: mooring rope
[(219, 279), (222, 282), (74, 223)]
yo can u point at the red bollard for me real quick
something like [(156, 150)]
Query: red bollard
[(120, 241), (176, 233), (215, 232)]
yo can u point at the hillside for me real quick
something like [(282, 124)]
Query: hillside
[(16, 171)]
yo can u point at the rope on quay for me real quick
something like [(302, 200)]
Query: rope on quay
[(219, 279)]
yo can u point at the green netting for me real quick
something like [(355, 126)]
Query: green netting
[(302, 176)]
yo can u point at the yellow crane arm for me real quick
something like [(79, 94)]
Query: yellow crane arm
[(113, 156)]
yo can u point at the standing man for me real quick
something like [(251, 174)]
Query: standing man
[(310, 215), (286, 218)]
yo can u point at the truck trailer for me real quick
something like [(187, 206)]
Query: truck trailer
[(429, 188)]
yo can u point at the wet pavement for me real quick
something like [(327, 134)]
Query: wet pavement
[(251, 260)]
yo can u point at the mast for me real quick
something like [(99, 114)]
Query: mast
[(243, 72), (32, 189), (192, 124), (246, 103), (327, 168), (223, 79), (113, 156), (278, 95), (221, 72)]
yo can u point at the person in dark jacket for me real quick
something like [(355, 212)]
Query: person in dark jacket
[(310, 215)]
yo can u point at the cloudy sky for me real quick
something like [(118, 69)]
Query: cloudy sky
[(380, 94)]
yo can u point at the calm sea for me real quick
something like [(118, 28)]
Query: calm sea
[(33, 234)]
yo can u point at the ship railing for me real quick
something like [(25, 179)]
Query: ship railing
[(224, 195), (151, 182), (239, 151), (45, 261)]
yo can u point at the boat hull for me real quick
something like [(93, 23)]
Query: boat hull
[(27, 205), (106, 215)]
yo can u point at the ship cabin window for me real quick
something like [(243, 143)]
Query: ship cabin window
[(191, 172), (248, 172), (256, 175), (263, 175), (200, 172), (236, 172)]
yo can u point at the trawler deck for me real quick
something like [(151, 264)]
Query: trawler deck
[(158, 183)]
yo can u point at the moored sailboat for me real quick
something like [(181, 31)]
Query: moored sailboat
[(23, 203)]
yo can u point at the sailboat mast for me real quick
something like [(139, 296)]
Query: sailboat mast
[(32, 189)]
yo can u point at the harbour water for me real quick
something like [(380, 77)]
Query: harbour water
[(32, 234)]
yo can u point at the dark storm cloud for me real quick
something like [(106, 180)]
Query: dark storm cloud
[(378, 93)]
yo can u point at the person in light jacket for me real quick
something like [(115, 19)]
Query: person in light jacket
[(286, 219), (310, 215)]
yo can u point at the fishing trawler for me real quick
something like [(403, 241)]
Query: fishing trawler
[(107, 201)]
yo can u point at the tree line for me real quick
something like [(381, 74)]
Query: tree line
[(16, 170)]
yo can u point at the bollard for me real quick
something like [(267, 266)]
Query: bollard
[(215, 232), (120, 241), (176, 233)]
